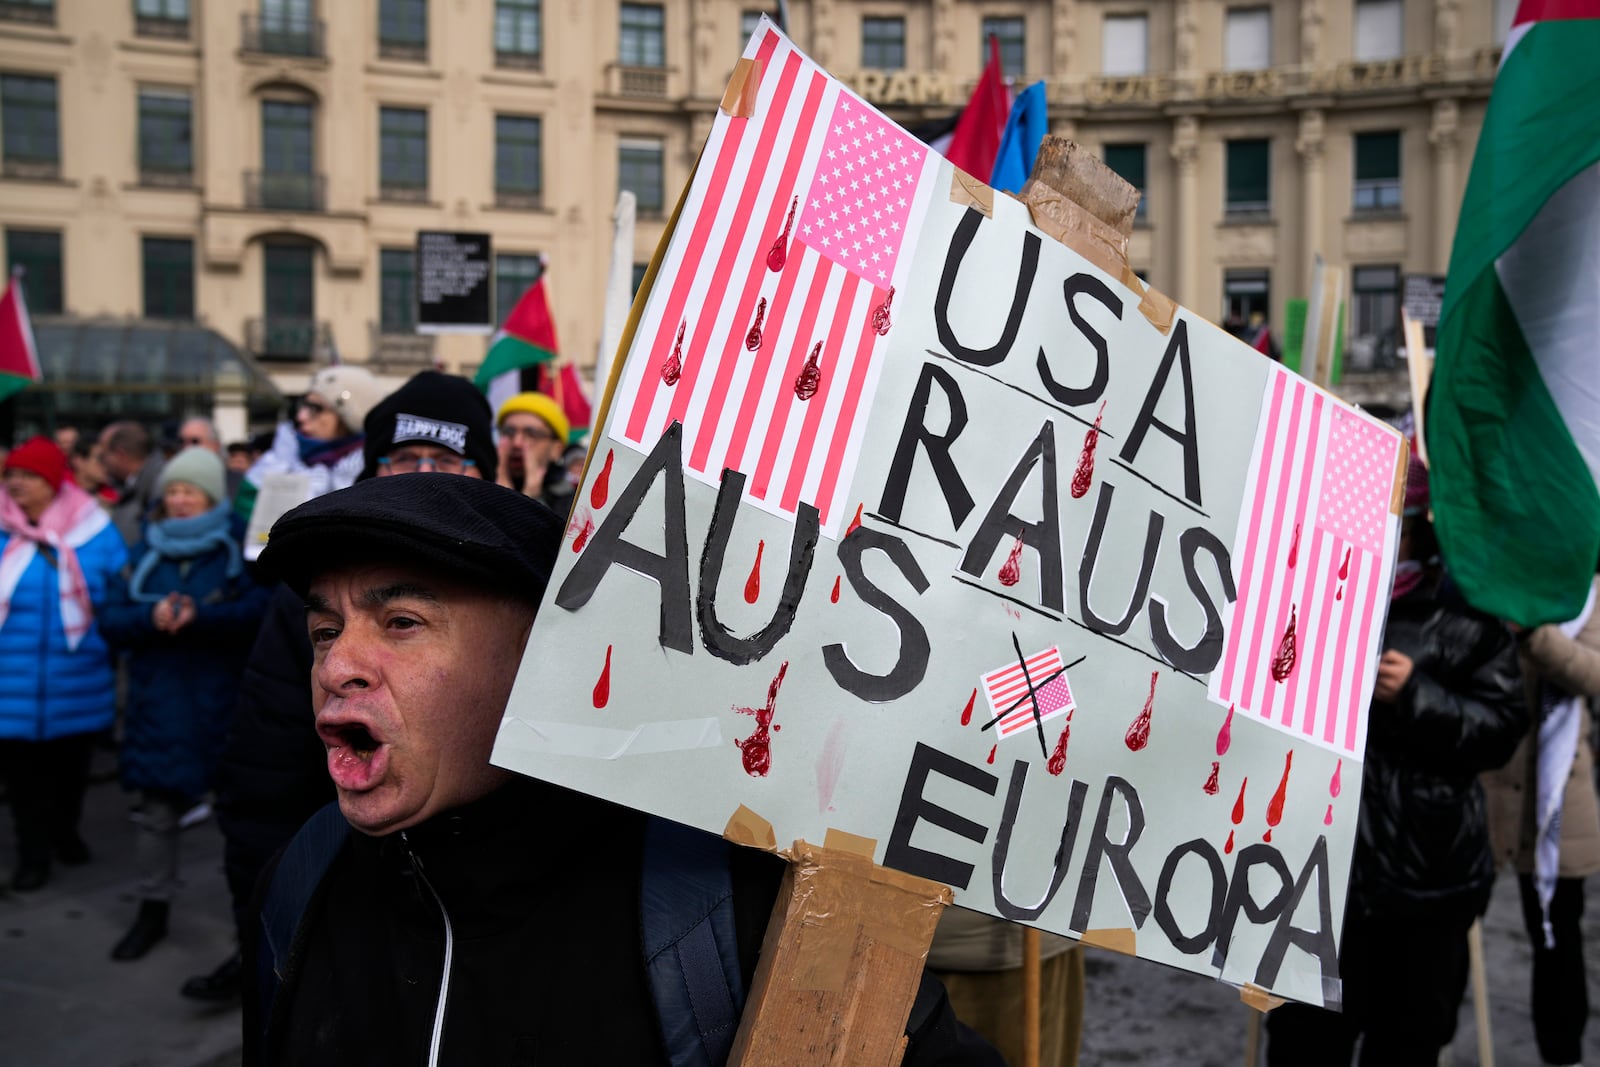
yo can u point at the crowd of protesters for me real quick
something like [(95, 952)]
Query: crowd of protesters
[(124, 552)]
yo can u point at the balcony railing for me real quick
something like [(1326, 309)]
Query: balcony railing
[(648, 82), (268, 191), (518, 199), (283, 338), (159, 178), (18, 11), (411, 51), (402, 194), (169, 27), (519, 60), (31, 169), (399, 351), (279, 36)]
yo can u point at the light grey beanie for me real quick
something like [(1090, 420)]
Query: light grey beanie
[(351, 392), (201, 468)]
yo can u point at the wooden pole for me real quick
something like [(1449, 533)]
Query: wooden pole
[(1032, 1017), (1480, 993), (841, 962)]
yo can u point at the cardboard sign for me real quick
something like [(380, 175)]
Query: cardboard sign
[(905, 521)]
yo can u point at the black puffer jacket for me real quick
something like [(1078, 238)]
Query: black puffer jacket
[(1423, 841)]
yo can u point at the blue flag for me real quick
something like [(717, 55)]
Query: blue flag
[(1026, 126)]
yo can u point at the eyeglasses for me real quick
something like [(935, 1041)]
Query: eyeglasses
[(410, 462), (197, 442), (311, 407), (535, 434)]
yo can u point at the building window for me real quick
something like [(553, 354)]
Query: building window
[(642, 40), (1249, 177), (28, 126), (397, 307), (883, 43), (403, 29), (402, 153), (512, 276), (1125, 45), (168, 278), (639, 271), (1374, 316), (518, 33), (285, 28), (161, 18), (289, 297), (166, 137), (1377, 171), (748, 21), (518, 161), (42, 12), (1128, 160), (639, 169), (38, 253), (1011, 31), (1245, 293), (1380, 30), (287, 181), (1247, 39)]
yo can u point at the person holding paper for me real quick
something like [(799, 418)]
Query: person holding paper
[(1543, 801), (1446, 706), (449, 911)]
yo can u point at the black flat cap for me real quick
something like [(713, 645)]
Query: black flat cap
[(470, 530)]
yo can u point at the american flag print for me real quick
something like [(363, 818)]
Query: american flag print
[(1313, 552), (812, 206), (1006, 690)]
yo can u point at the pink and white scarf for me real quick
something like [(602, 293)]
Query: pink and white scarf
[(68, 523)]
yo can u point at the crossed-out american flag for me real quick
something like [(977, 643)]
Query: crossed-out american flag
[(1011, 702), (1313, 548), (821, 176)]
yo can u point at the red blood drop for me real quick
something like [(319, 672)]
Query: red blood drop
[(1225, 735), (1139, 732), (601, 489), (602, 688), (1238, 805), (1212, 785), (756, 750), (1333, 783), (672, 366), (855, 523), (1344, 568), (991, 752), (1228, 848), (835, 595), (1294, 546), (1267, 837), (1058, 758), (1340, 594), (1327, 820), (809, 380), (880, 314), (966, 714), (779, 250), (1283, 662), (583, 535), (1275, 805), (1083, 477), (1011, 570), (752, 584), (752, 340)]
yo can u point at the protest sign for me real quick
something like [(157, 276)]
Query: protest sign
[(906, 520)]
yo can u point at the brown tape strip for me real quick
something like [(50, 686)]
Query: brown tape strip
[(1397, 499), (843, 841), (739, 98), (745, 827), (1158, 308), (1122, 940), (1078, 229), (1258, 998), (841, 897), (970, 192)]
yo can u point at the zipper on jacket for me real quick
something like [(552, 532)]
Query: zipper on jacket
[(449, 955)]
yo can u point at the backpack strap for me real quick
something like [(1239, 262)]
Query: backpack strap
[(691, 947), (301, 867)]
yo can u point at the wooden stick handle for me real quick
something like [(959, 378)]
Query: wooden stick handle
[(1031, 1014)]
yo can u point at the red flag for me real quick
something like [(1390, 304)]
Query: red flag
[(565, 388), (976, 142), (531, 321), (19, 357)]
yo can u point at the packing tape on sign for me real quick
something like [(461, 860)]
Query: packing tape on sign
[(1258, 998), (746, 827), (970, 192), (739, 98), (607, 743), (1118, 939)]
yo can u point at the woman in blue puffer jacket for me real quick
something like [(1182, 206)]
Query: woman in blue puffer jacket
[(187, 615), (58, 554)]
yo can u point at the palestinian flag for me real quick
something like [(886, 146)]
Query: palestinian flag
[(19, 356), (526, 340), (1513, 426)]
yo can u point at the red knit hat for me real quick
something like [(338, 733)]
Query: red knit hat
[(41, 456)]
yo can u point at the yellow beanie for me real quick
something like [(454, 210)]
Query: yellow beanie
[(537, 404)]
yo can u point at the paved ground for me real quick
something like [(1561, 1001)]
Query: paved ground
[(64, 1003)]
